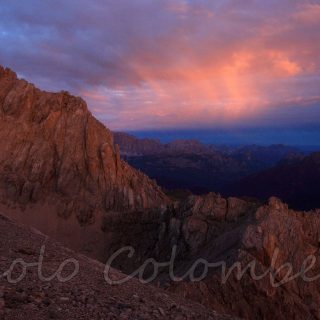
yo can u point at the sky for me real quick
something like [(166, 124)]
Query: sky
[(157, 65)]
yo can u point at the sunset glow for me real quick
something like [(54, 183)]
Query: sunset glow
[(172, 64)]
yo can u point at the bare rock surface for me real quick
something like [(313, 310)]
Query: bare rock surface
[(283, 244), (51, 144)]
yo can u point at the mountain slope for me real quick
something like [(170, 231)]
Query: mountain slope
[(86, 295), (296, 183)]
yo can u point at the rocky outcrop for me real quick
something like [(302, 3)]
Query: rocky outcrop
[(235, 233), (282, 244), (56, 155)]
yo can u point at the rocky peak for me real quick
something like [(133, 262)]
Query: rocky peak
[(53, 150)]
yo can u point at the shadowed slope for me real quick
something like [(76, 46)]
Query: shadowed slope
[(86, 295)]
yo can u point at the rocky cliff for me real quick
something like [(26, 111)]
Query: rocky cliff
[(57, 160), (282, 244)]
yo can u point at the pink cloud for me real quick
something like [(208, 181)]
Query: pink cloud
[(169, 63)]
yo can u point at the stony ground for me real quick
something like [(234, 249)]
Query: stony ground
[(86, 296)]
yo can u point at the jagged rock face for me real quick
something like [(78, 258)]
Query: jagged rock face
[(234, 231), (263, 234), (54, 151), (190, 225)]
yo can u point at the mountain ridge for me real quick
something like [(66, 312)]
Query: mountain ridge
[(200, 168)]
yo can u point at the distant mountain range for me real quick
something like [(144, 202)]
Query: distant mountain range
[(132, 146), (296, 183), (200, 168), (249, 171)]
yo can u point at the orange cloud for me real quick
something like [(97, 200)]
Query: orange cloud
[(283, 65)]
